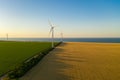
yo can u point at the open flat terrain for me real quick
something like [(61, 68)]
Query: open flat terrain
[(79, 61), (13, 53)]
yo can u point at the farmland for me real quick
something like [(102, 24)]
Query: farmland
[(79, 61), (13, 53)]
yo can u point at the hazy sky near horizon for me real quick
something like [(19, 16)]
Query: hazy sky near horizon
[(75, 18)]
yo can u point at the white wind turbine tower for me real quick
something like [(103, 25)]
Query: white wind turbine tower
[(61, 37), (52, 33), (7, 36)]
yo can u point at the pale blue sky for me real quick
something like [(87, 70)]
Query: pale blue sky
[(75, 18)]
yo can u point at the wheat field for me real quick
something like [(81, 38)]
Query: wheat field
[(79, 61)]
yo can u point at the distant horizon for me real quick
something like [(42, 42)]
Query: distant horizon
[(104, 40), (60, 37)]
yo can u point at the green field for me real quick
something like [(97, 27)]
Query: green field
[(13, 53)]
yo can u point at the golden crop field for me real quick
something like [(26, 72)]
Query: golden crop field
[(79, 61), (94, 61)]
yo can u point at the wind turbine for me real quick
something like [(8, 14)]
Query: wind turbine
[(7, 36), (52, 32), (61, 37)]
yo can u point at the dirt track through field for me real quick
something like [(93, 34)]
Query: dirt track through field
[(79, 61)]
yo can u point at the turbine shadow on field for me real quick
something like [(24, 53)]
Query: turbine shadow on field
[(51, 67), (67, 62), (61, 45)]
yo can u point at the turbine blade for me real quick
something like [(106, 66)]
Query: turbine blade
[(50, 23), (50, 31)]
